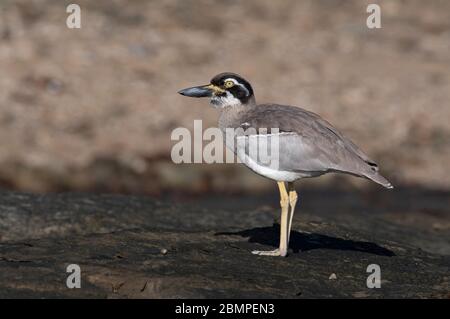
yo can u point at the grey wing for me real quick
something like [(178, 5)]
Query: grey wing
[(325, 153), (311, 144), (319, 153), (283, 151), (348, 144), (294, 153)]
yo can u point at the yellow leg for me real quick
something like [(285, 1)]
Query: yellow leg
[(284, 223), (292, 202), (284, 227)]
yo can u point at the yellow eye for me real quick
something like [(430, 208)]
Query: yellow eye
[(229, 84)]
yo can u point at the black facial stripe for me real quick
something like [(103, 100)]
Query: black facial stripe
[(219, 80), (240, 93)]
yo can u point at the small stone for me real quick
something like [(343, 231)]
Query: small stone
[(332, 276), (164, 251)]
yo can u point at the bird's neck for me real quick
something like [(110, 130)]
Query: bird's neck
[(241, 107), (230, 116)]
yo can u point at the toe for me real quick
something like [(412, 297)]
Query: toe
[(275, 252)]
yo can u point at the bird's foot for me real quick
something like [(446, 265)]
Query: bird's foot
[(275, 252)]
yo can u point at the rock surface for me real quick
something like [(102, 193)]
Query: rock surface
[(138, 247)]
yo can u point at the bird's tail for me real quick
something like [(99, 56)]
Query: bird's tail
[(377, 178)]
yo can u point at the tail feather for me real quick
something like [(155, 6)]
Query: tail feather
[(377, 178)]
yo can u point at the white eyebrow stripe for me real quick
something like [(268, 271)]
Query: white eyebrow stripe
[(240, 84)]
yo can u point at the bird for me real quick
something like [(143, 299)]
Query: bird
[(307, 145)]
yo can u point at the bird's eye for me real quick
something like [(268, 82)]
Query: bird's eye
[(229, 84)]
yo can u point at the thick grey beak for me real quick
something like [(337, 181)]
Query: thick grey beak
[(197, 91)]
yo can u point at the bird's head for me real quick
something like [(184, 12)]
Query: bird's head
[(225, 89)]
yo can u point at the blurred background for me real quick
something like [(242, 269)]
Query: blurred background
[(92, 109)]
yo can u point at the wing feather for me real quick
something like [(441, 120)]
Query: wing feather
[(314, 145)]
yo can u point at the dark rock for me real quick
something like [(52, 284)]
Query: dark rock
[(137, 247)]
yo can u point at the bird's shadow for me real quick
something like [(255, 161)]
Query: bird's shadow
[(304, 241)]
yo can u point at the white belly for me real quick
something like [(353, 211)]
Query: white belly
[(277, 175)]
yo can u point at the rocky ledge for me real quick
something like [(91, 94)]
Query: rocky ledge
[(139, 247)]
